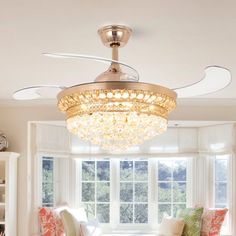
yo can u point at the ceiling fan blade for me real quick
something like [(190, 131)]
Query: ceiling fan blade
[(216, 78), (93, 58), (38, 92)]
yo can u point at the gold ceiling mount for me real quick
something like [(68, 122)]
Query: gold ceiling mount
[(114, 36)]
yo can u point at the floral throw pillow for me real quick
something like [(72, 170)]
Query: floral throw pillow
[(50, 222), (192, 218), (212, 220), (47, 221)]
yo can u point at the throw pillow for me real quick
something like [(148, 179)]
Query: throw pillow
[(192, 218), (68, 223), (171, 227), (212, 220), (47, 221)]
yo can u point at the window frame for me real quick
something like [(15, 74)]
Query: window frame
[(172, 181), (53, 180), (96, 181), (227, 228), (152, 225)]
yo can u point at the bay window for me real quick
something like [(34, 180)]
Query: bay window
[(123, 196)]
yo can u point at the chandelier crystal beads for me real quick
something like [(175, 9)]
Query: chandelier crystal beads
[(113, 113)]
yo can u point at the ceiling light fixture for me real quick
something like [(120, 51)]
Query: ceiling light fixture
[(116, 111)]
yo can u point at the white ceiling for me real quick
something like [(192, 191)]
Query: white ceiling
[(172, 43)]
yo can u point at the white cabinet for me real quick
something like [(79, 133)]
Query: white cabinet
[(8, 193)]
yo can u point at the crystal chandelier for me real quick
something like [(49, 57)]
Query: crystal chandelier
[(116, 112)]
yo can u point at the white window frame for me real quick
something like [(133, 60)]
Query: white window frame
[(95, 181), (55, 175), (226, 229), (188, 183), (114, 226), (130, 226)]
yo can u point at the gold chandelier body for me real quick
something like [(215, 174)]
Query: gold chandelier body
[(112, 113)]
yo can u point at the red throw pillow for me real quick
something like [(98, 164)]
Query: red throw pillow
[(212, 220), (50, 223)]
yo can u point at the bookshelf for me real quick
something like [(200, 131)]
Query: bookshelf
[(8, 193)]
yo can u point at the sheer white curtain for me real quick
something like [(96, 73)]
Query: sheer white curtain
[(52, 139), (217, 138), (174, 140)]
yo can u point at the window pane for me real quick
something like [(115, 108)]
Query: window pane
[(126, 192), (88, 171), (179, 170), (126, 213), (126, 170), (163, 208), (141, 170), (103, 213), (172, 186), (90, 210), (141, 192), (164, 192), (88, 192), (221, 170), (179, 193), (103, 192), (47, 181), (47, 170), (221, 192), (47, 193), (141, 213), (164, 170), (178, 207), (103, 170)]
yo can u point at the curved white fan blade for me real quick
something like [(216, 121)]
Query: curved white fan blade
[(89, 57), (37, 92), (216, 78)]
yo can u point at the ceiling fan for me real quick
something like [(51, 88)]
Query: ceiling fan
[(215, 79), (116, 111)]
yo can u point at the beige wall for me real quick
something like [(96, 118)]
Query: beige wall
[(2, 170), (13, 122)]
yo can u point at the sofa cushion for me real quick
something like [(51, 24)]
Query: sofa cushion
[(192, 218), (212, 220), (47, 221), (68, 223), (171, 227)]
